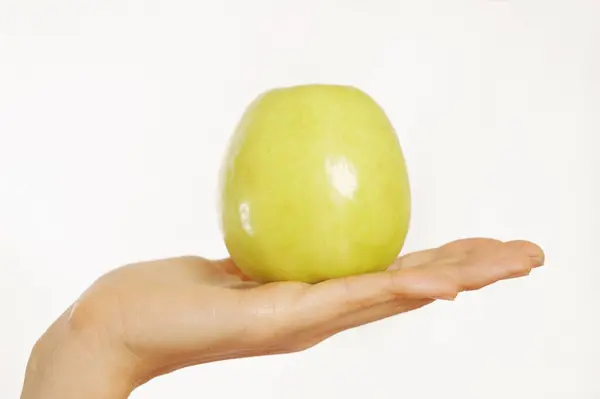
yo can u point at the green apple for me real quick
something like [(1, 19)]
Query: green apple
[(314, 186)]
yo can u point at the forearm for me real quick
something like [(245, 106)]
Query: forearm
[(65, 366)]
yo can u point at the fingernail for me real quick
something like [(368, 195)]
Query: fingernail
[(521, 274), (445, 297), (537, 261), (536, 255)]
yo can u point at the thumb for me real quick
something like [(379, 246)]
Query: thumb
[(346, 295)]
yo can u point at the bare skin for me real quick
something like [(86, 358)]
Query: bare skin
[(148, 319)]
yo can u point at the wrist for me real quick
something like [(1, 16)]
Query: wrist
[(65, 364)]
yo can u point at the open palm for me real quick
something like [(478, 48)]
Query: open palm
[(171, 313)]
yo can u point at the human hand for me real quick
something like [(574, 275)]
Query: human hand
[(151, 318)]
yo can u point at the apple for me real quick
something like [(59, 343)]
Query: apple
[(314, 186)]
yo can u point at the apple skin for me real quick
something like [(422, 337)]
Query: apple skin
[(314, 186)]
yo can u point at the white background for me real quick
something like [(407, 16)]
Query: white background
[(114, 116)]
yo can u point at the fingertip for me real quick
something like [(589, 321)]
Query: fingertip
[(532, 250)]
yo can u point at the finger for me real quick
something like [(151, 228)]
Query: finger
[(337, 305), (489, 263), (414, 259), (533, 251), (443, 278), (462, 246), (466, 245), (492, 261), (332, 306), (354, 293)]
